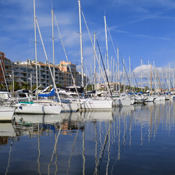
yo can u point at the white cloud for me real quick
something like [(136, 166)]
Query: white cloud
[(147, 69)]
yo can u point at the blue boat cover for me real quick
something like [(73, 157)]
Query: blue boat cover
[(51, 94)]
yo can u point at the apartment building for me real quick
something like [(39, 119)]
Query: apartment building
[(71, 68), (25, 71)]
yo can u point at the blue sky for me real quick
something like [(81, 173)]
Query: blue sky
[(140, 28)]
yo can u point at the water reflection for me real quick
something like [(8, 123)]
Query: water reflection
[(125, 141)]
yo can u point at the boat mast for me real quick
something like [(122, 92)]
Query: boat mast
[(81, 46), (106, 37), (35, 50), (113, 72), (151, 78), (129, 70), (154, 75), (141, 74), (118, 68), (53, 46), (173, 79), (169, 79), (13, 81), (94, 63), (124, 82)]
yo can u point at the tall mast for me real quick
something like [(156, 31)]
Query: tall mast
[(35, 50), (141, 74), (53, 46), (129, 70), (155, 83), (151, 79), (169, 79), (106, 37), (124, 89), (116, 76), (118, 68), (113, 71), (148, 76), (99, 71), (173, 79), (81, 46), (94, 63)]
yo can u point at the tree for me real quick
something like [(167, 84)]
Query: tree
[(26, 86), (58, 85), (16, 86), (2, 87)]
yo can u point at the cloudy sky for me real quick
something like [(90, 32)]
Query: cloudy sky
[(140, 28)]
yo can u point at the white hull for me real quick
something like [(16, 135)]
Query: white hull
[(6, 114), (96, 105), (37, 109), (66, 107), (139, 100), (167, 97), (70, 107), (159, 98), (121, 102), (150, 99)]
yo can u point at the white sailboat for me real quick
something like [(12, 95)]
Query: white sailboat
[(91, 104), (37, 108)]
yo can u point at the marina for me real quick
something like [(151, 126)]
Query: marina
[(138, 139), (69, 101)]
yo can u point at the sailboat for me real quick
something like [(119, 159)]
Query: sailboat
[(89, 103), (6, 112), (37, 108)]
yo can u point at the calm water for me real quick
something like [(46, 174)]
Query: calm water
[(134, 140)]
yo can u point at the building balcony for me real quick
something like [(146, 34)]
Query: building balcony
[(43, 73)]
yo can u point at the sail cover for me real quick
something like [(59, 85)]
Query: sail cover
[(52, 93)]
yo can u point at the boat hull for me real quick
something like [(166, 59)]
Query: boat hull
[(70, 107), (96, 105), (121, 102), (38, 109), (6, 114)]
